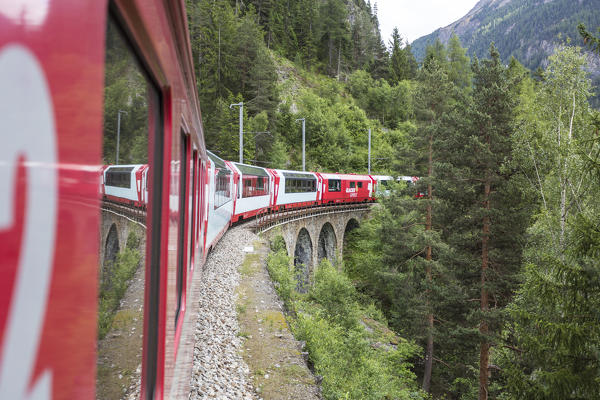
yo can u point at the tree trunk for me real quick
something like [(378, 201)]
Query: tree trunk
[(339, 60), (483, 327), (428, 226), (330, 42)]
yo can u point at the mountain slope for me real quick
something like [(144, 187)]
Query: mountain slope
[(526, 29)]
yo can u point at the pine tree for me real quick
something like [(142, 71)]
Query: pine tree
[(589, 39), (496, 205), (459, 64), (399, 67), (433, 101), (486, 216)]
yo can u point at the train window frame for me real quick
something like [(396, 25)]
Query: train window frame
[(118, 177), (181, 240), (222, 188), (194, 206), (360, 185), (157, 103), (334, 185)]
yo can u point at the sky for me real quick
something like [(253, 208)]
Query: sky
[(416, 18)]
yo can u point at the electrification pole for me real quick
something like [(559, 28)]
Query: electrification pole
[(119, 134), (303, 142), (369, 151), (241, 106)]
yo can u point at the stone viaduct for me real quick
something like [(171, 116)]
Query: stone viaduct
[(312, 236), (114, 231)]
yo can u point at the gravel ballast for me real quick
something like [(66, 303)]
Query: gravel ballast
[(219, 371)]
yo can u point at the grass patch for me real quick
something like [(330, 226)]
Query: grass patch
[(342, 335), (114, 287), (240, 308), (275, 320), (250, 265)]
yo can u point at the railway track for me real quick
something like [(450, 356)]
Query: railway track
[(134, 213), (270, 219)]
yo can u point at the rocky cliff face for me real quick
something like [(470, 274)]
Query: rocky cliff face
[(530, 30)]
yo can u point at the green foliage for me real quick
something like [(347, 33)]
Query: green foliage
[(589, 39), (281, 272), (114, 287), (553, 334), (402, 63), (351, 361)]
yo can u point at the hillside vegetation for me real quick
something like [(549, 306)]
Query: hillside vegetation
[(492, 279), (529, 30)]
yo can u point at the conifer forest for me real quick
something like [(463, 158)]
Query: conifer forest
[(490, 279)]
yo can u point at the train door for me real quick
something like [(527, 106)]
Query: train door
[(201, 215), (182, 239), (193, 208)]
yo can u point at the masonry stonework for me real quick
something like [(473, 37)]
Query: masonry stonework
[(326, 233)]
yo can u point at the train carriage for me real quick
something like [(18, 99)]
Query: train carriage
[(346, 188), (253, 186), (295, 189), (126, 184), (382, 185), (221, 194), (58, 100)]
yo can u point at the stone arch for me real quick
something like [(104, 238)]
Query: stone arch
[(111, 249), (351, 225), (303, 255), (327, 243)]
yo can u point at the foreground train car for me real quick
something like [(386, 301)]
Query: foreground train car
[(52, 74)]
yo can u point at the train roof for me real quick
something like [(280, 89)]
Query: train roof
[(348, 177), (296, 174), (246, 169)]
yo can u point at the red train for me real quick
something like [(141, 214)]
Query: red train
[(62, 64)]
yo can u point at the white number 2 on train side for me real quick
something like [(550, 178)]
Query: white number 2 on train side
[(27, 134)]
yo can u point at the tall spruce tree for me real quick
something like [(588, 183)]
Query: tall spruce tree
[(433, 101), (488, 214), (398, 67)]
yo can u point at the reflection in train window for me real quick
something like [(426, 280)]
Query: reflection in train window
[(131, 111)]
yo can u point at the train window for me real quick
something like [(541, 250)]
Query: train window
[(299, 183), (334, 185), (193, 207), (255, 182), (181, 245), (132, 116), (359, 185), (119, 177), (352, 185), (222, 181)]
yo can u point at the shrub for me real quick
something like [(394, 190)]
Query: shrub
[(351, 360), (113, 290)]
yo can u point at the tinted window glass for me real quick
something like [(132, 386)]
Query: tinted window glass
[(334, 185), (132, 113)]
